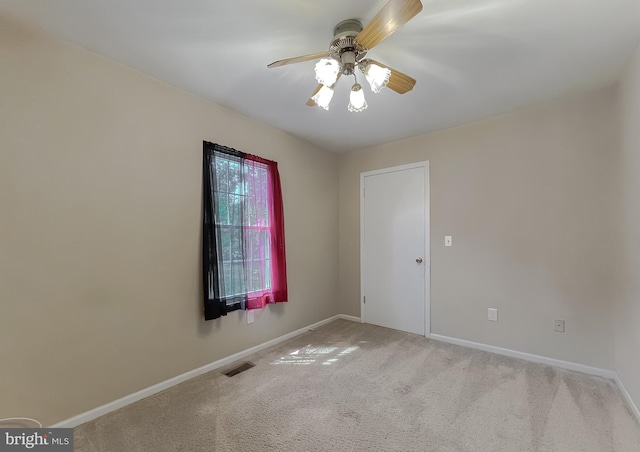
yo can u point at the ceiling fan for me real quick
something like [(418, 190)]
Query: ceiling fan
[(348, 50)]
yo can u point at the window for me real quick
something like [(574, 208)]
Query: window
[(244, 264), (243, 220)]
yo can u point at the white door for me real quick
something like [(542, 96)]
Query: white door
[(394, 248)]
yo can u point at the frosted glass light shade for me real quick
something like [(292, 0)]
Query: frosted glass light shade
[(327, 70), (357, 101), (323, 97), (377, 76)]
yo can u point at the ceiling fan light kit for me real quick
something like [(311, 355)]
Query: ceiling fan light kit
[(327, 70), (323, 97), (347, 51), (378, 77), (357, 101)]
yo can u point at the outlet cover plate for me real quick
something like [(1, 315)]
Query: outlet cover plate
[(492, 314), (558, 325), (249, 316)]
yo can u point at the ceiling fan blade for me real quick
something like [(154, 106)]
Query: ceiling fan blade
[(392, 16), (300, 59), (311, 102), (398, 82)]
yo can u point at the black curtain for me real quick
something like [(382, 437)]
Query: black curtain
[(216, 304)]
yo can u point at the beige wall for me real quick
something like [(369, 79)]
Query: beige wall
[(526, 198), (100, 204), (627, 326)]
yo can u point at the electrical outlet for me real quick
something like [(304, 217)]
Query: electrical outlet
[(558, 325), (492, 314), (249, 316)]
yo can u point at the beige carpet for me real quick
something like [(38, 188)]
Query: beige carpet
[(353, 387)]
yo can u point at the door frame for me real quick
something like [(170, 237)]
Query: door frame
[(427, 241)]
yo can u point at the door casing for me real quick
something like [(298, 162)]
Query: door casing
[(427, 243)]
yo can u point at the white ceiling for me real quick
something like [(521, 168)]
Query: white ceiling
[(472, 59)]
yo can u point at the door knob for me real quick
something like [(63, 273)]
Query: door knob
[(419, 260)]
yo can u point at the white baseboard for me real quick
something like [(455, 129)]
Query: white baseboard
[(131, 398), (350, 318), (627, 397), (529, 357)]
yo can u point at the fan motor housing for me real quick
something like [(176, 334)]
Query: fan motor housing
[(349, 27), (345, 46)]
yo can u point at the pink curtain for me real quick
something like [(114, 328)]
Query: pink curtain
[(265, 232)]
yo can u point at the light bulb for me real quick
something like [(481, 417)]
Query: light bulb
[(356, 99), (327, 70), (377, 76), (323, 97)]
